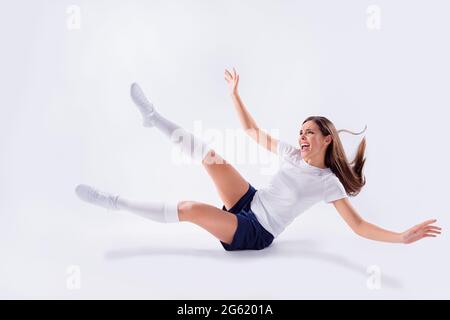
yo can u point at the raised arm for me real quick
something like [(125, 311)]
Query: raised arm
[(373, 232), (248, 123)]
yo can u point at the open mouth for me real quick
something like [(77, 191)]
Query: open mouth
[(305, 146)]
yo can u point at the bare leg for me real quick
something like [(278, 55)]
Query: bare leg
[(219, 223), (230, 185)]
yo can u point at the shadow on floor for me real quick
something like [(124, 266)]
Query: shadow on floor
[(293, 249)]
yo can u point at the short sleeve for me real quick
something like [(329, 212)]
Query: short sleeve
[(286, 150), (334, 189)]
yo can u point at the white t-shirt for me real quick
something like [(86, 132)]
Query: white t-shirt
[(295, 187)]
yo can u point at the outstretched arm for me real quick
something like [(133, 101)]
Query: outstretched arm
[(248, 123), (373, 232)]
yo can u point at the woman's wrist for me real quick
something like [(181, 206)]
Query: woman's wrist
[(400, 238)]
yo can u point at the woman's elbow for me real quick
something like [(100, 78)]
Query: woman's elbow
[(251, 131), (359, 228), (254, 133)]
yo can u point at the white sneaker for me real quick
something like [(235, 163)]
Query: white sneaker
[(94, 196), (145, 106)]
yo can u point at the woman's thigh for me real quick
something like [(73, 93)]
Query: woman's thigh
[(218, 222), (229, 183)]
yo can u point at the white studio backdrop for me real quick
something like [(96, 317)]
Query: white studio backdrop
[(67, 118)]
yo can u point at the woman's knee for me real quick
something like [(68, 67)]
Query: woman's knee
[(212, 157), (186, 209)]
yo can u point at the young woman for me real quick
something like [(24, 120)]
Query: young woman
[(316, 170)]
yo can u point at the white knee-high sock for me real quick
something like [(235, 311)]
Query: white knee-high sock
[(156, 211), (188, 143)]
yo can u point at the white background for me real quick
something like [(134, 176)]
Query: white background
[(66, 118)]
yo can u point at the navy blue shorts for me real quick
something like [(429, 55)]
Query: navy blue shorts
[(250, 234)]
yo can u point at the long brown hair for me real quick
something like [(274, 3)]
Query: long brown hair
[(349, 173)]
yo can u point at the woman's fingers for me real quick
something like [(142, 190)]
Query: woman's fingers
[(232, 75), (232, 78), (433, 232), (229, 74), (423, 230), (427, 222), (432, 228), (423, 225), (435, 227)]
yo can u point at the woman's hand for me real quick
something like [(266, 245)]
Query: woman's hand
[(232, 79), (420, 231)]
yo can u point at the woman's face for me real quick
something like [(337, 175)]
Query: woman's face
[(311, 140)]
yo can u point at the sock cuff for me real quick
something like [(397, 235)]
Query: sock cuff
[(171, 212)]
